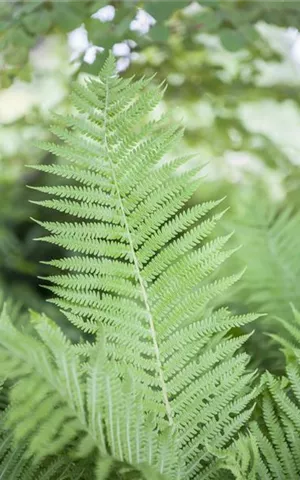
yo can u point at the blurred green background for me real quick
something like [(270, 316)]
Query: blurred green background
[(233, 75)]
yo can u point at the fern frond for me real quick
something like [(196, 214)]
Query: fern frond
[(15, 464), (78, 412), (290, 340), (270, 251), (142, 268), (271, 450)]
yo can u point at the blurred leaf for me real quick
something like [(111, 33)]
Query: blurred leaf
[(131, 4), (25, 73), (67, 18), (237, 17), (124, 14), (250, 33), (232, 40), (122, 27), (96, 5), (5, 80), (17, 56), (159, 33), (162, 10), (210, 3), (26, 8), (100, 34), (4, 26), (208, 20), (20, 37), (38, 22)]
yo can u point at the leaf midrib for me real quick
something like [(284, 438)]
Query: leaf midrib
[(139, 276)]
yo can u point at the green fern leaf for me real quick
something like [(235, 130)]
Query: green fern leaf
[(81, 410), (271, 450), (269, 239), (141, 268)]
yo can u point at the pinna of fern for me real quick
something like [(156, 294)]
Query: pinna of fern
[(139, 274)]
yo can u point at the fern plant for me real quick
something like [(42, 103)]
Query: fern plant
[(271, 449), (268, 235), (164, 381), (14, 459), (270, 239)]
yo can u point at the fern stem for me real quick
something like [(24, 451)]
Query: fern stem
[(138, 271)]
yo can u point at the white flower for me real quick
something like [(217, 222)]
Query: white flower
[(295, 50), (142, 22), (105, 14), (192, 9), (91, 52), (131, 43), (122, 64), (79, 44), (121, 49), (78, 41)]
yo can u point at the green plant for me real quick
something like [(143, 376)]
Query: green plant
[(271, 449), (159, 385), (268, 234), (269, 238)]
